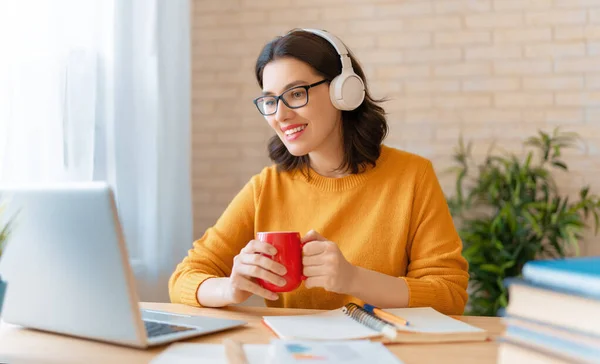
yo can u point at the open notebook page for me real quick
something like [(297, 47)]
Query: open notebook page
[(428, 320), (335, 325), (330, 325)]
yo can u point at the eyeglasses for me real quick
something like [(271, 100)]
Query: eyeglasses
[(294, 98)]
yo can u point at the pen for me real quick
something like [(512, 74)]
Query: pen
[(398, 321), (234, 352)]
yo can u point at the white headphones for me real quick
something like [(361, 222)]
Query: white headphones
[(347, 90)]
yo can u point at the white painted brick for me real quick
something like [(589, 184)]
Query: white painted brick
[(553, 83), (435, 23), (214, 94), (556, 17), (592, 82), (264, 4), (242, 136), (432, 55), (555, 50), (404, 40), (329, 3), (524, 67), (381, 56), (287, 16), (402, 71), (230, 18), (360, 41), (593, 48), (202, 137), (385, 88), (500, 51), (376, 27), (522, 35), (238, 48), (203, 78), (594, 15), (263, 32), (431, 116), (584, 32), (208, 6), (592, 117), (462, 6), (564, 115), (233, 77), (578, 65), (404, 8), (462, 101), (522, 4), (203, 107), (414, 132), (487, 116), (462, 38), (578, 99), (402, 103), (522, 99), (491, 84), (218, 33), (463, 69), (216, 64), (494, 20), (432, 86), (576, 3), (348, 12)]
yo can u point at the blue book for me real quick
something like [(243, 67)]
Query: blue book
[(580, 275)]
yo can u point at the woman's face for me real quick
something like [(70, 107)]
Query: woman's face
[(308, 128)]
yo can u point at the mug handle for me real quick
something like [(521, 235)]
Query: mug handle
[(302, 276)]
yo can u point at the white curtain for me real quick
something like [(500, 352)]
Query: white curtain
[(100, 90)]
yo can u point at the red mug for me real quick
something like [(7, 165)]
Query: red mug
[(289, 254)]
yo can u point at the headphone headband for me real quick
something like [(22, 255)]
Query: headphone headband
[(347, 90), (335, 42)]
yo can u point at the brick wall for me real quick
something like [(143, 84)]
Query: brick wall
[(485, 68)]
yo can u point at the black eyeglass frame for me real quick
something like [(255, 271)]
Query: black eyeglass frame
[(280, 97)]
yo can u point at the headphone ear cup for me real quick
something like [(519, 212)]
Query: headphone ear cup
[(347, 91)]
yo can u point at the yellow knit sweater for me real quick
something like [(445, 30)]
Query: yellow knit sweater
[(393, 219)]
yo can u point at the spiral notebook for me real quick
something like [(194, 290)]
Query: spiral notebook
[(426, 326)]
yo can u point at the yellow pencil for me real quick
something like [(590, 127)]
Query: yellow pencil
[(385, 315)]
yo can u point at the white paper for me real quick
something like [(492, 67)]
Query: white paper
[(333, 352), (283, 352), (191, 353)]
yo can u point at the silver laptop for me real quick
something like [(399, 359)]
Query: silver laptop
[(68, 271)]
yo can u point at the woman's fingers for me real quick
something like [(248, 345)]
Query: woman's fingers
[(256, 271), (257, 246), (244, 284), (315, 271), (263, 262)]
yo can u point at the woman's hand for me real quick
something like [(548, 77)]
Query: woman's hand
[(325, 266), (250, 264)]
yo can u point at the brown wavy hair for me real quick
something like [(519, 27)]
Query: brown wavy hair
[(363, 129)]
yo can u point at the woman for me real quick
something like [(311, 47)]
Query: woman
[(375, 220)]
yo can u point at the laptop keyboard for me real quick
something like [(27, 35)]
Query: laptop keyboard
[(154, 329)]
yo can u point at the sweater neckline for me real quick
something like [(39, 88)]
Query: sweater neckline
[(331, 184)]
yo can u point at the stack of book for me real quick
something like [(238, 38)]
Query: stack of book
[(553, 313)]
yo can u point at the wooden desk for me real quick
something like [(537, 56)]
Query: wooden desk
[(18, 346)]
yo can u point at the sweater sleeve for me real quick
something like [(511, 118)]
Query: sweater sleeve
[(212, 255), (437, 274)]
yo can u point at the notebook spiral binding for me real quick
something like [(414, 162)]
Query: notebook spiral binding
[(369, 320)]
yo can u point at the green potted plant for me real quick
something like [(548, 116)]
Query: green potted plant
[(509, 211)]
